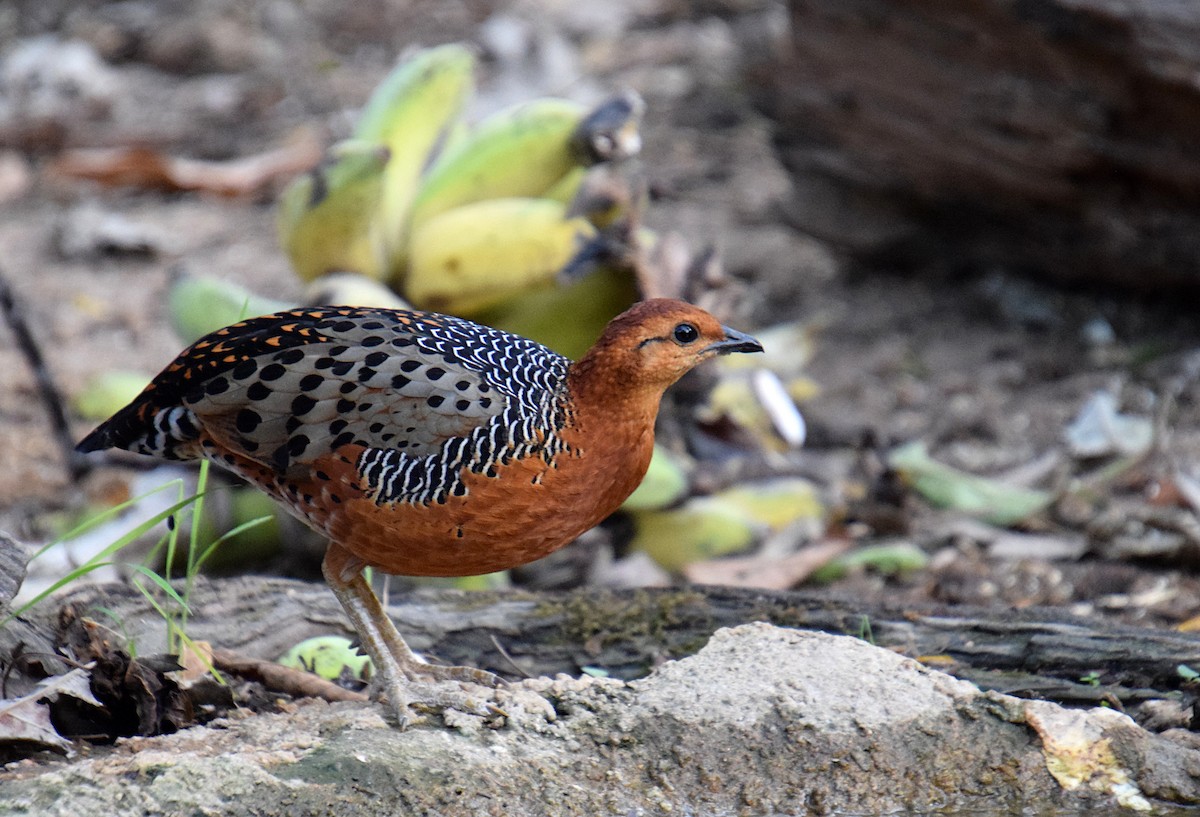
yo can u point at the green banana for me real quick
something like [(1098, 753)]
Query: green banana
[(592, 300), (531, 149), (475, 256), (198, 305), (107, 392), (413, 112), (327, 217), (520, 151)]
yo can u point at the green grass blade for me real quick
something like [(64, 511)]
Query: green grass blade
[(100, 559), (162, 584)]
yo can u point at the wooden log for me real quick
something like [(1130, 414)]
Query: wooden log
[(1061, 136), (1044, 652)]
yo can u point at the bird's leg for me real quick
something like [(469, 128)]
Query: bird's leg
[(366, 622), (394, 660)]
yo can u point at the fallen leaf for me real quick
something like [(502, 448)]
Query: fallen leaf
[(197, 660), (26, 720), (14, 556), (149, 168)]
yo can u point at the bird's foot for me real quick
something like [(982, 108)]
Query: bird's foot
[(418, 672), (463, 704), (434, 688)]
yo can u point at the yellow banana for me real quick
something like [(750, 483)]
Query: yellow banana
[(567, 186), (328, 218), (413, 112), (520, 151), (476, 255)]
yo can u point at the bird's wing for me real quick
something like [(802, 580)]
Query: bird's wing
[(284, 389)]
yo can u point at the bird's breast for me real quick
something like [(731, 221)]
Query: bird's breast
[(515, 514)]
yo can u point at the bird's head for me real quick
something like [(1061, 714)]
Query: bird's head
[(654, 343)]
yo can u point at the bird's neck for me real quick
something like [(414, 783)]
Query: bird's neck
[(615, 416), (606, 393)]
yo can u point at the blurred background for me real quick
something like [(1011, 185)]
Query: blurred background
[(969, 232)]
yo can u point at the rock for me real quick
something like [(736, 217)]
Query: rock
[(762, 720)]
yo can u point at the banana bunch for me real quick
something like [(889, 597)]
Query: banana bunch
[(350, 214), (494, 218), (463, 219)]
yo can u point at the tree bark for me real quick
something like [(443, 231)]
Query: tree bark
[(1061, 136)]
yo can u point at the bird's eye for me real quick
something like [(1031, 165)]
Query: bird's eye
[(685, 333)]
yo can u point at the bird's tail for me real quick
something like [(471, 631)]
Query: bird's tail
[(144, 428)]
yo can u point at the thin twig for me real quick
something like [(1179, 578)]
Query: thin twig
[(512, 661), (279, 678), (77, 466)]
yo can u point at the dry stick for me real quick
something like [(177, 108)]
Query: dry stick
[(279, 678), (77, 466)]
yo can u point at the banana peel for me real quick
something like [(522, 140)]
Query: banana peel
[(665, 483), (991, 500), (330, 656), (197, 305), (485, 581), (702, 528), (724, 523), (107, 393), (889, 559), (762, 396), (776, 503), (761, 403), (329, 218)]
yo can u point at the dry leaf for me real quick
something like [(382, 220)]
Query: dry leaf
[(27, 719), (770, 572), (149, 168), (197, 660)]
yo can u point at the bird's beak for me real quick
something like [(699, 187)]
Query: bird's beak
[(734, 341)]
